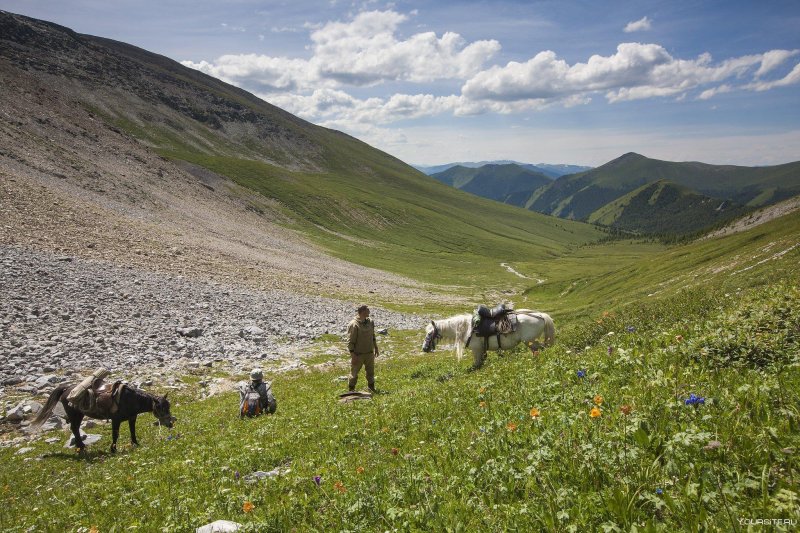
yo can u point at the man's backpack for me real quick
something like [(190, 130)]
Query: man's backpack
[(251, 406)]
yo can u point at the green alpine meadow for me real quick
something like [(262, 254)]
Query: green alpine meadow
[(223, 215)]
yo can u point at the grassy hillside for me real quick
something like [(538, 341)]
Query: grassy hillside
[(354, 201), (606, 430), (665, 208), (508, 183), (578, 196), (619, 272)]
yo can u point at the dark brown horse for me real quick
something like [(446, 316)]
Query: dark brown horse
[(132, 402)]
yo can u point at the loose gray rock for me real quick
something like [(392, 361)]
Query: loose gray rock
[(86, 438), (191, 332)]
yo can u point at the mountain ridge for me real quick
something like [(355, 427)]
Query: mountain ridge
[(507, 183), (579, 196)]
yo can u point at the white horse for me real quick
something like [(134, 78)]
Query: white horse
[(532, 324)]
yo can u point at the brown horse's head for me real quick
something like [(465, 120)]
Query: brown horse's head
[(161, 411)]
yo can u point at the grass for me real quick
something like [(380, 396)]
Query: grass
[(446, 449)]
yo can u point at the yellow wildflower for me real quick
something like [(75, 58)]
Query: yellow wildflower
[(534, 413), (595, 412), (511, 426), (248, 506), (598, 399)]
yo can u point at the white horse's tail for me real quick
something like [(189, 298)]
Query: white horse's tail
[(549, 326), (549, 330)]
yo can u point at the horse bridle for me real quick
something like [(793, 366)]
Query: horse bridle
[(435, 335)]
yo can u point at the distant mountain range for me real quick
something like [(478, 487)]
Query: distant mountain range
[(552, 171), (508, 183), (636, 193)]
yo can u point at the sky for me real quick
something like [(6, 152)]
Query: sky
[(552, 81)]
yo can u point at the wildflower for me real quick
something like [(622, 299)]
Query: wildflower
[(248, 506), (482, 404), (385, 429), (318, 480), (581, 373), (482, 390), (678, 338), (340, 487), (534, 413), (511, 426), (94, 529), (236, 475), (610, 350), (659, 491), (626, 409), (595, 412), (712, 445), (598, 399), (606, 314), (694, 400), (360, 470), (630, 329), (395, 451)]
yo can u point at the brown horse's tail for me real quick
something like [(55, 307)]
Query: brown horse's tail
[(47, 410), (549, 330)]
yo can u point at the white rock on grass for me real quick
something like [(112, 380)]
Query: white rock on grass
[(220, 526)]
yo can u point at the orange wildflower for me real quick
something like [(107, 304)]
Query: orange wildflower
[(482, 390), (482, 404), (598, 399), (360, 470), (395, 451), (595, 412), (248, 506), (626, 409), (340, 487), (94, 529), (534, 413), (511, 426)]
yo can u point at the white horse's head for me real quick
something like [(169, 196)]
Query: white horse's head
[(432, 334)]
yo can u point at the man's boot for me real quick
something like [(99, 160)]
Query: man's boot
[(371, 388)]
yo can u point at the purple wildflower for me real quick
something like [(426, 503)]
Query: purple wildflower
[(610, 350), (318, 480), (236, 476), (694, 400), (631, 329), (659, 491), (581, 373)]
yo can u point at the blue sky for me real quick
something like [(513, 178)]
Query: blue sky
[(559, 81)]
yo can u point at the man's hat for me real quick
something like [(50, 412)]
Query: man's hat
[(256, 374), (362, 307)]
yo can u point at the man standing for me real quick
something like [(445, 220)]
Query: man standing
[(363, 348)]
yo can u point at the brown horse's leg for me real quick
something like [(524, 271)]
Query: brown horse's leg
[(132, 427), (115, 423), (75, 418)]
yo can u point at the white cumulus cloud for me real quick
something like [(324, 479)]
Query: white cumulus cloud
[(365, 50), (636, 71), (643, 24)]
